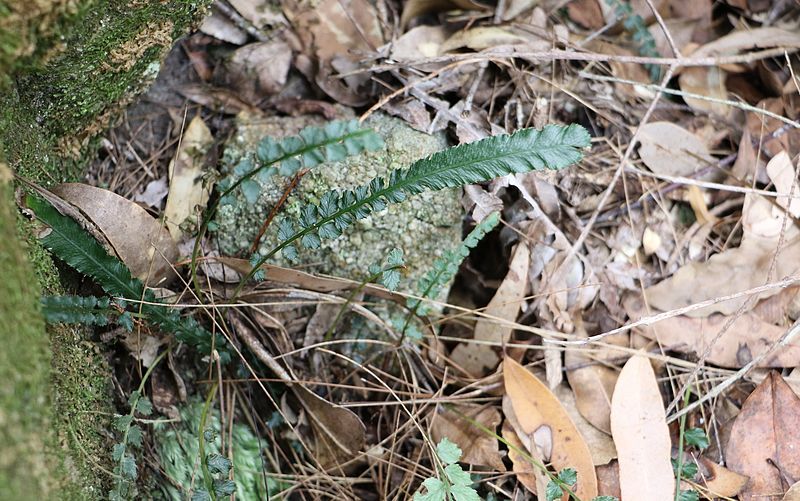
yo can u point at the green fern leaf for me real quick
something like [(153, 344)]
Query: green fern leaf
[(553, 147), (70, 243), (311, 147), (88, 310)]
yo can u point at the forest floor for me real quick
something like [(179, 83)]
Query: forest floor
[(628, 329)]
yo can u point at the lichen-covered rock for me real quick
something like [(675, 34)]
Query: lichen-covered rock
[(424, 226)]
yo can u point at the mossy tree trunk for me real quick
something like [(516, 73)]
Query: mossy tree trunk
[(66, 68)]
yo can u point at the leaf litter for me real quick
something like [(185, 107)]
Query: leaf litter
[(660, 267)]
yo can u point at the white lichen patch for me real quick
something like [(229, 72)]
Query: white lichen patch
[(424, 226)]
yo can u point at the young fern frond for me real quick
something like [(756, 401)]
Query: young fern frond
[(73, 245), (553, 147), (446, 267)]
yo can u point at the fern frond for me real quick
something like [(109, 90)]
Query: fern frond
[(88, 310), (446, 267), (311, 147), (553, 147), (73, 245)]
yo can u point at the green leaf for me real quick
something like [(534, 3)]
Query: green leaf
[(251, 190), (127, 467), (464, 493), (553, 491), (689, 495), (456, 475), (117, 451), (605, 498), (448, 452), (696, 437), (201, 495), (224, 487), (435, 491), (135, 436), (88, 310), (144, 407), (569, 476), (121, 423), (218, 464), (688, 469)]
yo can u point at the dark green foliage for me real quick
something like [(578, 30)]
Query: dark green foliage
[(687, 470), (125, 469), (77, 248), (635, 26), (88, 310), (567, 477), (696, 437), (553, 147)]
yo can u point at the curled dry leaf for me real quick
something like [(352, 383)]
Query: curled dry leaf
[(140, 241), (765, 440), (188, 187), (599, 443), (708, 81), (669, 149), (505, 305), (419, 43), (541, 421), (477, 447), (526, 473), (640, 432), (260, 69), (720, 481)]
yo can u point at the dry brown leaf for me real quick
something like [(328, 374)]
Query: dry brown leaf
[(221, 28), (608, 479), (219, 100), (543, 421), (415, 8), (505, 305), (336, 32), (757, 38), (418, 43), (600, 444), (706, 81), (480, 38), (587, 13), (526, 473), (747, 337), (259, 69), (793, 494), (593, 384), (140, 241), (640, 432), (669, 149), (763, 225), (477, 447), (720, 481), (188, 190), (259, 12), (765, 440)]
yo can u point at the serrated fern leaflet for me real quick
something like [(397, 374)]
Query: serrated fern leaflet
[(77, 248), (553, 147)]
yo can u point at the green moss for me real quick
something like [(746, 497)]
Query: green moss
[(104, 62)]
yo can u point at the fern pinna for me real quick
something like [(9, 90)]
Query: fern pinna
[(553, 147), (73, 245)]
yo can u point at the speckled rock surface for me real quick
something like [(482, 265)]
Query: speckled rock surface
[(424, 226)]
